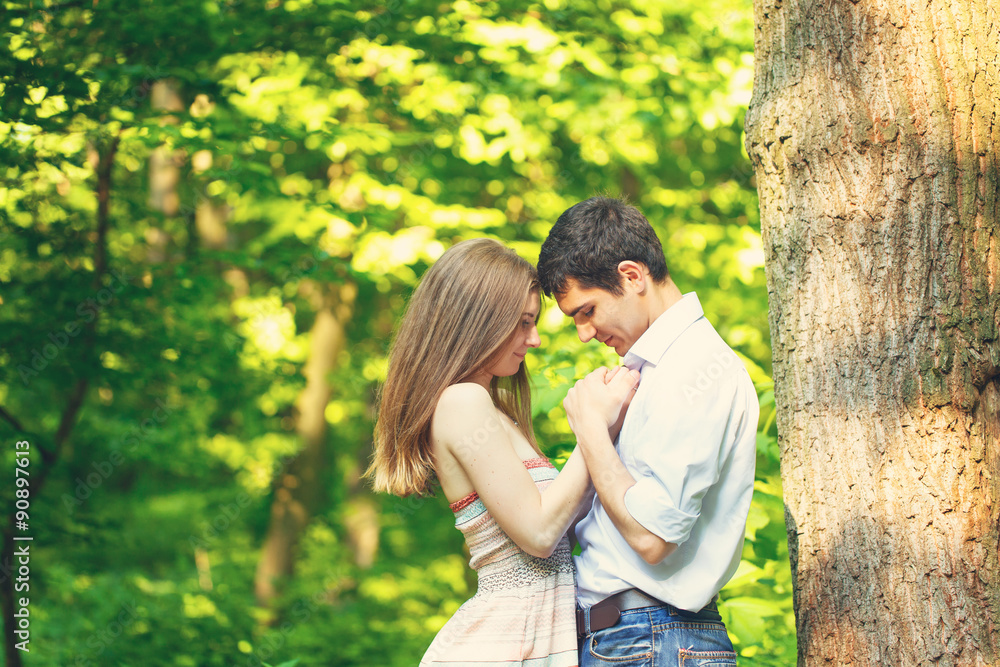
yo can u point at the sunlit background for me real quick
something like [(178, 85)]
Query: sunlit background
[(204, 203)]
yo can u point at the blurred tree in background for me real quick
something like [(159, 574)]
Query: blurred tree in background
[(212, 214)]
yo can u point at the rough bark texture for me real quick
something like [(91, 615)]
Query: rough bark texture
[(874, 136)]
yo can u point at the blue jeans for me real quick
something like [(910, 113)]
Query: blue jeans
[(660, 637)]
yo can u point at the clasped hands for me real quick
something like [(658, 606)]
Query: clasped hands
[(599, 400)]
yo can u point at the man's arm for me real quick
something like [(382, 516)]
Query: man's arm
[(611, 480), (610, 477)]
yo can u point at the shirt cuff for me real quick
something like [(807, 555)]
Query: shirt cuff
[(649, 504)]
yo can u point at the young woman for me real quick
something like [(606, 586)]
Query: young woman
[(455, 408)]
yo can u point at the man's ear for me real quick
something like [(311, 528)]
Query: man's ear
[(633, 273)]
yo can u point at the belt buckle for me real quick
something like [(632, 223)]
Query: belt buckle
[(596, 618)]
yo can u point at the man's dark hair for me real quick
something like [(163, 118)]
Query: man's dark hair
[(590, 239)]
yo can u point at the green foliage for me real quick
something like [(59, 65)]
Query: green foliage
[(757, 603), (344, 145)]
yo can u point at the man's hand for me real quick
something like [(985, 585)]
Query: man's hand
[(597, 401)]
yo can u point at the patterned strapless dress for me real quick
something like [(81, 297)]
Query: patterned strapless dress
[(523, 612)]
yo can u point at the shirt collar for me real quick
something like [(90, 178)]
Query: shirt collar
[(663, 331)]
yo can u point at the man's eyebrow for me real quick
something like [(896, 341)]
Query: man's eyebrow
[(577, 309)]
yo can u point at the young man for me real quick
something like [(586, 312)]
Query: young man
[(665, 530)]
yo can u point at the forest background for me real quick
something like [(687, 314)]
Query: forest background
[(211, 216)]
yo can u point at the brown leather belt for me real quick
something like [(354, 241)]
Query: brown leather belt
[(606, 613)]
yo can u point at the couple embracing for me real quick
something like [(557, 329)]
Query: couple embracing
[(656, 491)]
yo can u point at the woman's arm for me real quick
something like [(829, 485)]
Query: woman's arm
[(616, 427), (614, 479), (585, 505), (468, 425)]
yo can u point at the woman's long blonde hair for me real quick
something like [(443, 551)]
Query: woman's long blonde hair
[(467, 305)]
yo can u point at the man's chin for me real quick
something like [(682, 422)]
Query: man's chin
[(621, 349)]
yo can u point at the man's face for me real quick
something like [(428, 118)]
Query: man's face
[(616, 321)]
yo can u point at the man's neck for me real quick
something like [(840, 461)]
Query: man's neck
[(661, 297)]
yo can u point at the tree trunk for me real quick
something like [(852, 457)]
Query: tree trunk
[(211, 217), (298, 488), (164, 169), (361, 520), (874, 135)]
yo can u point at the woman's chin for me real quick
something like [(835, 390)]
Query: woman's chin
[(506, 372)]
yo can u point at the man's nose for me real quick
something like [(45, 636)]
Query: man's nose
[(585, 332)]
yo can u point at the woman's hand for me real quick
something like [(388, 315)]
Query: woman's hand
[(600, 401), (616, 428)]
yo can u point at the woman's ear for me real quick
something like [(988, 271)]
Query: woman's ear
[(633, 273)]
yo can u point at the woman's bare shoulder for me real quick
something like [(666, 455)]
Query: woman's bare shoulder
[(462, 410), (464, 393)]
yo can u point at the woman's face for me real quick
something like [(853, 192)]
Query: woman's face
[(525, 336)]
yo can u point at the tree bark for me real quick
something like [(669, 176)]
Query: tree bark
[(298, 488), (874, 135)]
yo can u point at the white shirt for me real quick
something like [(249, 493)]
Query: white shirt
[(689, 441)]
